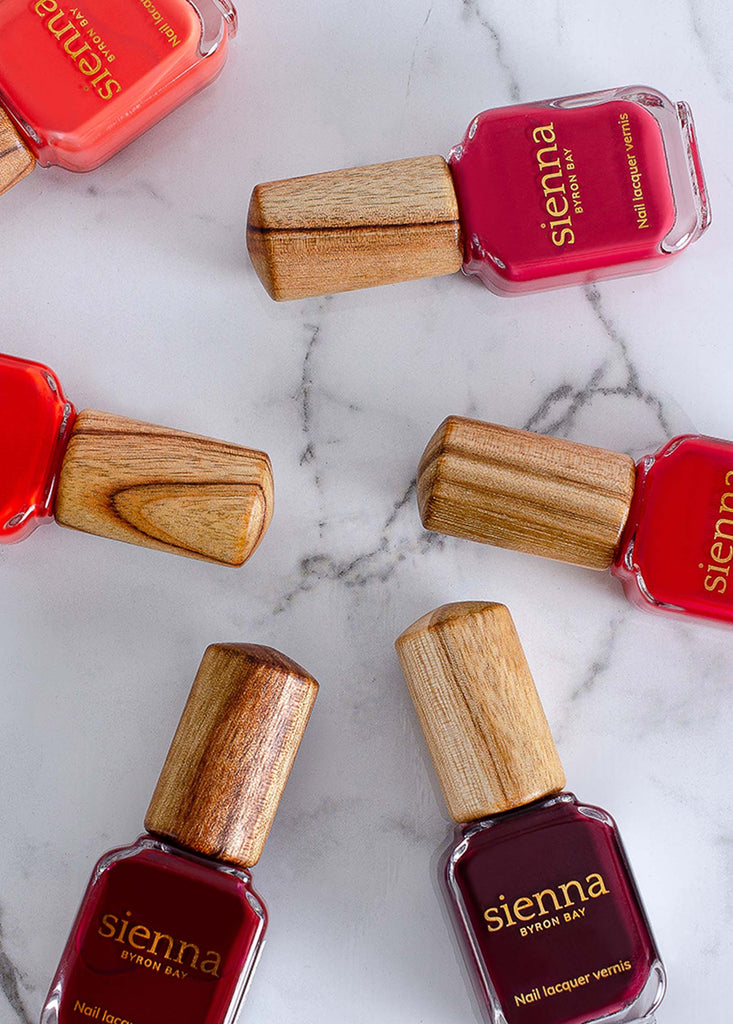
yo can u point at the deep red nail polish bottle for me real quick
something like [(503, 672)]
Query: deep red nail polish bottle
[(170, 928), (539, 195), (77, 83), (119, 478), (543, 897), (664, 527)]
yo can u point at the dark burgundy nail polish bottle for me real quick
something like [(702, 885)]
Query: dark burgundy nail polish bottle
[(170, 928), (543, 896)]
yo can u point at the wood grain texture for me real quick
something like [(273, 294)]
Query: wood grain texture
[(355, 228), (479, 710), (525, 491), (232, 752), (164, 489), (16, 160)]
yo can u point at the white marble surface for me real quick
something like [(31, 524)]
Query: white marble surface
[(133, 283)]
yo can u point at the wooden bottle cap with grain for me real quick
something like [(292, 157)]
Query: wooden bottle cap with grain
[(479, 710), (164, 489), (525, 491), (16, 160), (355, 228), (232, 753)]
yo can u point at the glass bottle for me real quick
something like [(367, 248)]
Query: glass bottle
[(170, 928), (538, 195), (78, 83), (119, 478), (542, 895), (663, 527)]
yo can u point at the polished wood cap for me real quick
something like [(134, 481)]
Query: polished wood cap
[(164, 489), (525, 491), (355, 228), (479, 710), (232, 753), (16, 160)]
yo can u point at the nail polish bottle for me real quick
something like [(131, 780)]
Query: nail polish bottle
[(663, 527), (542, 895), (538, 195), (77, 83), (170, 928), (123, 479)]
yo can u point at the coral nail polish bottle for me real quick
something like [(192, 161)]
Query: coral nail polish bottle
[(170, 928), (77, 83), (123, 479), (536, 196), (543, 897), (663, 527)]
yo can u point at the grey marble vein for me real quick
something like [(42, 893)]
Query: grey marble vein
[(474, 9), (374, 565), (557, 411), (10, 976)]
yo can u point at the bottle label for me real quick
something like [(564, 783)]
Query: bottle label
[(160, 936), (677, 548), (552, 916)]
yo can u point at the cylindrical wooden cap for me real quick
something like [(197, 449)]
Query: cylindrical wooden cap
[(16, 160), (232, 753), (525, 491), (478, 707), (164, 489), (355, 228)]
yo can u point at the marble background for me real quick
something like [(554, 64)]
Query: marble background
[(133, 283)]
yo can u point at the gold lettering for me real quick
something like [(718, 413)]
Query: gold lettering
[(564, 889), (596, 886), (522, 904), (138, 931), (539, 896)]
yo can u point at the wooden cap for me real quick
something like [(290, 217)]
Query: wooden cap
[(478, 707), (16, 160), (164, 489), (525, 491), (355, 228), (232, 753)]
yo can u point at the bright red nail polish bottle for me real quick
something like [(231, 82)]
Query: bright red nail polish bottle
[(663, 527), (77, 83), (119, 478), (170, 928), (539, 195), (543, 897)]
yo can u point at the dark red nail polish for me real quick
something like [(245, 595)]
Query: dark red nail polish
[(170, 928), (543, 897)]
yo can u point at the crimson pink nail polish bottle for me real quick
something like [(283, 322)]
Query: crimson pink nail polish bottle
[(77, 83), (116, 477), (538, 195), (663, 527), (542, 895), (170, 928)]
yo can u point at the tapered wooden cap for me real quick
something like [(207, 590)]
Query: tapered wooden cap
[(16, 160), (525, 491), (232, 753), (355, 228), (478, 707), (164, 489)]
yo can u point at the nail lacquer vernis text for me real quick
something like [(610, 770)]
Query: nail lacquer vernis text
[(538, 195), (664, 527), (119, 478), (170, 928), (543, 897), (80, 81)]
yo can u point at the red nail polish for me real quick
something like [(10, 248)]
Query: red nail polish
[(170, 928), (81, 82), (610, 184), (539, 195), (664, 527), (123, 479), (544, 901)]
